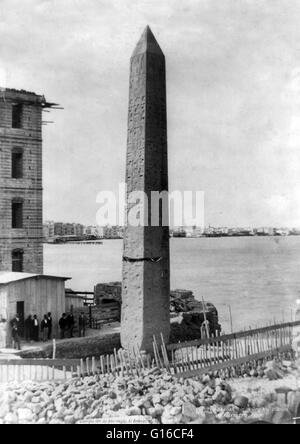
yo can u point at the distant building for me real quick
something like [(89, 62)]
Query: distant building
[(113, 232), (48, 230), (58, 229), (21, 192), (281, 232), (91, 231), (78, 230), (66, 229), (178, 232), (265, 231)]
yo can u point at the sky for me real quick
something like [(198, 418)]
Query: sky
[(233, 92)]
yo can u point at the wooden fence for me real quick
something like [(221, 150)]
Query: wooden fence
[(119, 363), (228, 351), (185, 359), (38, 369)]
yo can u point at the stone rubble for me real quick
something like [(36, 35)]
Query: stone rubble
[(156, 395)]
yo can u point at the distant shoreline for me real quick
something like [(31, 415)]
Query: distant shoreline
[(101, 240)]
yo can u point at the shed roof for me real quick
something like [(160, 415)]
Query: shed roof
[(7, 277)]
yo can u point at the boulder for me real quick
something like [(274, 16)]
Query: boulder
[(25, 415), (241, 402), (189, 412), (11, 418), (167, 418)]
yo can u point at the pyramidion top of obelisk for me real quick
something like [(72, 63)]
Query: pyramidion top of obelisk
[(147, 43)]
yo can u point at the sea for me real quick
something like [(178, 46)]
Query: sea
[(253, 281)]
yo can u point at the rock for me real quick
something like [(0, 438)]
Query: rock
[(166, 397), (28, 397), (25, 415), (151, 412), (287, 364), (56, 421), (189, 412), (282, 417), (133, 411), (36, 409), (271, 374), (205, 379), (273, 370), (58, 403), (258, 402), (199, 420), (112, 395), (156, 399), (69, 419), (241, 402), (210, 391), (117, 407), (4, 410), (166, 418), (158, 410), (175, 411), (11, 418)]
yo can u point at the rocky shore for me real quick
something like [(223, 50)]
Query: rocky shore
[(155, 397)]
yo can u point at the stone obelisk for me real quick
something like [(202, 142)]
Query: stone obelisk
[(146, 256)]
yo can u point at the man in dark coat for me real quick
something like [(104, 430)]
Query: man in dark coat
[(15, 331), (49, 326), (28, 328), (35, 328), (63, 325), (82, 324), (44, 328), (70, 324)]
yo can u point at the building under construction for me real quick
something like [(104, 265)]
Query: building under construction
[(21, 192)]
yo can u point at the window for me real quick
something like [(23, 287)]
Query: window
[(17, 112), (17, 213), (17, 163), (17, 260)]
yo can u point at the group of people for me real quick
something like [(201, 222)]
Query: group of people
[(67, 324), (33, 328)]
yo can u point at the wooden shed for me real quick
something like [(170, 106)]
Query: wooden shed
[(29, 294)]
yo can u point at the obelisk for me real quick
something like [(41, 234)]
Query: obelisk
[(146, 255)]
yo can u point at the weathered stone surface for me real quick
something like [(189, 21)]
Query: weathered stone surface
[(189, 412), (241, 402), (146, 267)]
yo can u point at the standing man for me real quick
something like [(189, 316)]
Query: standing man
[(44, 328), (15, 331), (63, 325), (49, 326), (82, 324), (70, 324), (28, 328), (35, 328), (3, 332)]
